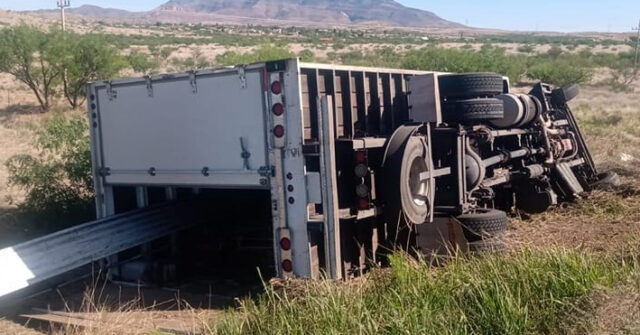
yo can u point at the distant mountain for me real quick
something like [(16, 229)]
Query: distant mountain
[(290, 12), (94, 12), (387, 12)]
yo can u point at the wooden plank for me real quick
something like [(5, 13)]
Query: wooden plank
[(126, 322)]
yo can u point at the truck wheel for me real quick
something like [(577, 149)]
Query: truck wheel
[(405, 189), (483, 224), (473, 110), (488, 245), (470, 85)]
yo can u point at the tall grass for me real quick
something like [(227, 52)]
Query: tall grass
[(518, 293)]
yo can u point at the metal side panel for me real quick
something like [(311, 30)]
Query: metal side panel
[(44, 258), (193, 129), (329, 186), (294, 172)]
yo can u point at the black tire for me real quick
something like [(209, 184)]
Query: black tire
[(561, 96), (473, 110), (607, 181), (488, 245), (483, 224), (402, 162), (470, 85)]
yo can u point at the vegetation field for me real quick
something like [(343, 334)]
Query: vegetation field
[(573, 270)]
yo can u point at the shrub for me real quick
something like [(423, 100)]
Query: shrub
[(489, 59), (142, 63), (307, 55), (561, 72), (527, 49), (266, 52), (58, 181)]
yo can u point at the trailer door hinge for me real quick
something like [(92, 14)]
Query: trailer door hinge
[(192, 80), (266, 171), (105, 171), (242, 75), (111, 93), (149, 86)]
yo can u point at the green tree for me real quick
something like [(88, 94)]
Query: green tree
[(84, 58), (27, 54), (561, 72), (142, 63), (58, 180)]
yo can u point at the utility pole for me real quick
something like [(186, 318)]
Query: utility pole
[(62, 4), (635, 64)]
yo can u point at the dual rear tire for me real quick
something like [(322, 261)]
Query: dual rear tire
[(469, 98), (484, 229)]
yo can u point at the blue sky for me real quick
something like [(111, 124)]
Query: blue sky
[(565, 15)]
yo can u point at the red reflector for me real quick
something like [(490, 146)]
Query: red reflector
[(276, 87), (278, 109), (285, 244), (361, 156), (278, 131), (363, 203), (287, 265)]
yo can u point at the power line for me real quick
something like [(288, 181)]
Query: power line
[(62, 4)]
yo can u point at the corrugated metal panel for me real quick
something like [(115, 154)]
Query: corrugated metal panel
[(41, 259), (368, 102)]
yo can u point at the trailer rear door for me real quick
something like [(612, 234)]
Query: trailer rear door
[(186, 129)]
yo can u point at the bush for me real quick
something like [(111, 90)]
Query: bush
[(307, 55), (142, 63), (489, 59), (561, 72), (264, 53), (58, 181), (527, 49)]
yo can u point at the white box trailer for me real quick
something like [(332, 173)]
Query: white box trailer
[(254, 127), (335, 160)]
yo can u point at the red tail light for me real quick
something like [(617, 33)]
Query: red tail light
[(287, 265), (278, 131), (278, 109), (285, 244), (276, 87)]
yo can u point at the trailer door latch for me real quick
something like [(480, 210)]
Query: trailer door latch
[(266, 171), (245, 154), (111, 93), (243, 76), (105, 171), (193, 82), (149, 86)]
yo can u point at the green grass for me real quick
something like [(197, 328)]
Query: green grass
[(526, 292)]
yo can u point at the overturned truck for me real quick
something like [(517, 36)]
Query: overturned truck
[(354, 160), (308, 169)]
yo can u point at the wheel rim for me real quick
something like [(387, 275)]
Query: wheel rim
[(418, 187)]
